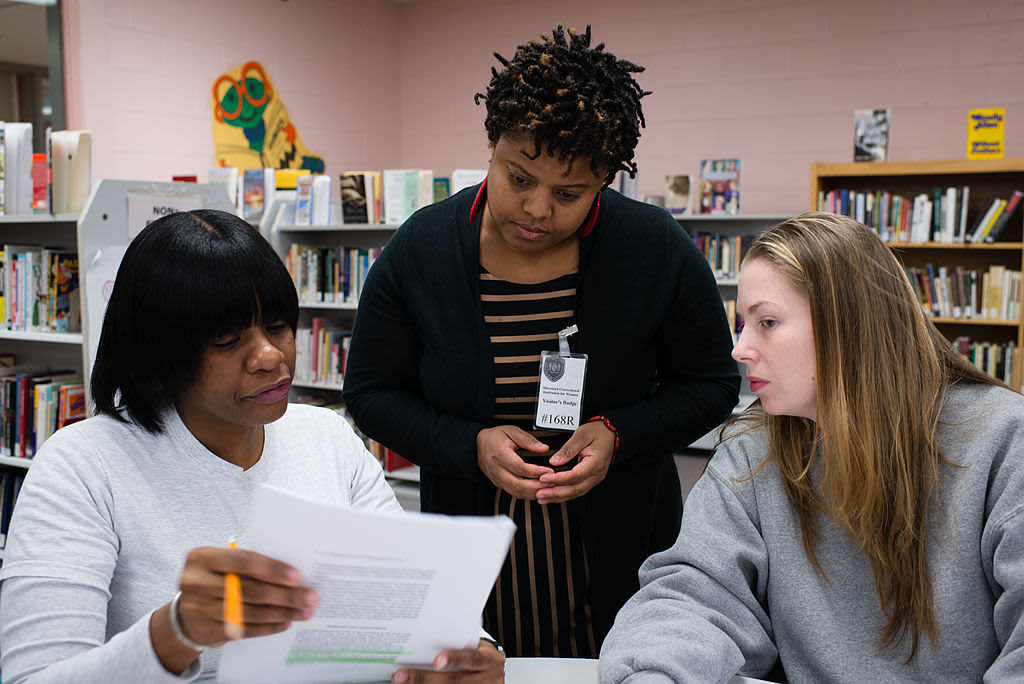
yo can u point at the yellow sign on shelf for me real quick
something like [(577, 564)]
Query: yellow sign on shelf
[(985, 133)]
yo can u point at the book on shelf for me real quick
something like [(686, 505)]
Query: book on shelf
[(994, 358), (40, 184), (227, 177), (967, 293), (39, 289), (940, 216), (679, 194), (253, 191), (464, 178), (18, 168), (986, 133), (1005, 214), (64, 292), (628, 186), (321, 352), (358, 197), (288, 179), (19, 438), (331, 275), (405, 191), (321, 208), (987, 218), (870, 134), (720, 186), (724, 253), (442, 189), (71, 171), (303, 200)]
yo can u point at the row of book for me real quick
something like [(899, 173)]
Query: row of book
[(35, 404), (364, 197), (56, 180), (940, 217), (329, 275), (321, 352), (996, 359), (958, 292), (724, 253), (39, 289), (10, 486), (389, 460)]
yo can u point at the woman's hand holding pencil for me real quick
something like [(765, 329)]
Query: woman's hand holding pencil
[(233, 593)]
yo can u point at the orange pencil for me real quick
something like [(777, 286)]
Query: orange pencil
[(234, 625)]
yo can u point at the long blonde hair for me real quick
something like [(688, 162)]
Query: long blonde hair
[(882, 371)]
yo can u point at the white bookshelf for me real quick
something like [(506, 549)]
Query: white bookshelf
[(50, 338), (278, 226), (13, 462)]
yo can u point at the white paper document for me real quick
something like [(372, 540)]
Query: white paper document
[(395, 589)]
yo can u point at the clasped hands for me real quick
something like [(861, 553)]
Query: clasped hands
[(497, 458)]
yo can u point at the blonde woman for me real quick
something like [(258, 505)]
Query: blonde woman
[(864, 520)]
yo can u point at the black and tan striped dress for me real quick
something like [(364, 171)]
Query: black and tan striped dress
[(540, 606)]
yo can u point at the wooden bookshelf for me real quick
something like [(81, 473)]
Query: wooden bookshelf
[(986, 179)]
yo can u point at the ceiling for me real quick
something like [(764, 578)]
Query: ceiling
[(22, 33)]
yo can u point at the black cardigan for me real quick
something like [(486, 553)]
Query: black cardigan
[(420, 375)]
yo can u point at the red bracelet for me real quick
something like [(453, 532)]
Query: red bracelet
[(608, 424)]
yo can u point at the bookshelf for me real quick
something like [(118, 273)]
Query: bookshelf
[(42, 349), (985, 179), (39, 350), (278, 226)]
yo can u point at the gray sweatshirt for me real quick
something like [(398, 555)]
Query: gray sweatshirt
[(737, 591)]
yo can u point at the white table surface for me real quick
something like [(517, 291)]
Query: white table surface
[(565, 671)]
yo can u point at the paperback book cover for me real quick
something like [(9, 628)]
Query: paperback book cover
[(40, 184), (720, 186), (356, 190), (71, 171), (64, 295), (678, 193), (985, 133), (442, 189), (304, 200), (252, 195), (228, 177), (870, 134)]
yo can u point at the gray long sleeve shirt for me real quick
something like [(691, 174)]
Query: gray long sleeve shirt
[(109, 512), (737, 591)]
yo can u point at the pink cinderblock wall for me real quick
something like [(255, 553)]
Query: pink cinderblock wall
[(371, 83), (140, 74)]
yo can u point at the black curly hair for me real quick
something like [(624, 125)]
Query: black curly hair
[(574, 100)]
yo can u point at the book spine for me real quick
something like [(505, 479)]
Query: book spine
[(1004, 216)]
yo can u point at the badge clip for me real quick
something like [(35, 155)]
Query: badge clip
[(563, 339)]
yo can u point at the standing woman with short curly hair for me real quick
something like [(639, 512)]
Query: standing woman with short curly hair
[(471, 294)]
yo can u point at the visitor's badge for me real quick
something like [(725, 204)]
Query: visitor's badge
[(560, 391)]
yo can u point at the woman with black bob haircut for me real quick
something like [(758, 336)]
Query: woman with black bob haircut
[(118, 549), (187, 279)]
